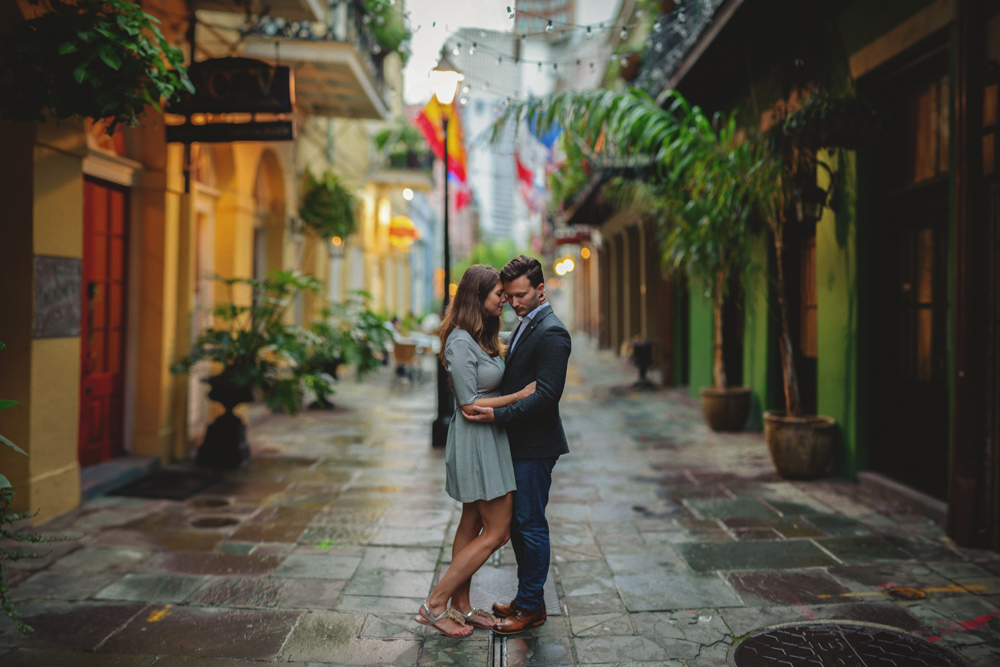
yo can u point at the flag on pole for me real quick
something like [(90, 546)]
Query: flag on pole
[(533, 195), (429, 121)]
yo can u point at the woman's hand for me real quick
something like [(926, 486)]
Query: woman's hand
[(527, 391)]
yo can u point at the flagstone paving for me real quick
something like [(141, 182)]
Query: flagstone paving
[(670, 544)]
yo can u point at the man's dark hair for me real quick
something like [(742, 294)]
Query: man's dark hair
[(523, 266)]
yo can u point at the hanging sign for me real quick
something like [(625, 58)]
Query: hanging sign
[(229, 92), (236, 85)]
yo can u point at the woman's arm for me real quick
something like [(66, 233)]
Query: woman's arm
[(500, 401)]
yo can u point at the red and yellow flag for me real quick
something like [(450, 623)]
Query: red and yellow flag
[(430, 123)]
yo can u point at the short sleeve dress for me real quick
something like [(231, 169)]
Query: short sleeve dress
[(477, 455)]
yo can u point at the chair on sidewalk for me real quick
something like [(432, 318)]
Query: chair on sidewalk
[(404, 355)]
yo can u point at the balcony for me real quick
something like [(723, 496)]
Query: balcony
[(407, 169), (337, 65), (290, 10)]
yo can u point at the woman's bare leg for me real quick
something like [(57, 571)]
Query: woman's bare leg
[(469, 527), (495, 515)]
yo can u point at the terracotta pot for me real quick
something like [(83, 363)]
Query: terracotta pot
[(725, 409), (800, 447)]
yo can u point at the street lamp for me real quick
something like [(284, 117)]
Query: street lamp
[(444, 81)]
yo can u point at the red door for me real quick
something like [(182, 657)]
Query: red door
[(105, 208)]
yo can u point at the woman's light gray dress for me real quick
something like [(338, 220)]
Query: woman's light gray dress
[(477, 456)]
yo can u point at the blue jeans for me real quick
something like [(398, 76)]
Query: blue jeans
[(529, 531)]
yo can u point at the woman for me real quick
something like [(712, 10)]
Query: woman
[(480, 473)]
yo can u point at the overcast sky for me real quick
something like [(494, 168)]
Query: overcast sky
[(449, 16)]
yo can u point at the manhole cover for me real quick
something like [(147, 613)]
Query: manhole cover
[(821, 645), (215, 522), (209, 503)]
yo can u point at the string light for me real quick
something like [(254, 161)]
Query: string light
[(548, 28)]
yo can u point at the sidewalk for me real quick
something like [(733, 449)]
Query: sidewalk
[(669, 542)]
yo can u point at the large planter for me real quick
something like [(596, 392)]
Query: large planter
[(800, 447), (725, 409), (225, 445)]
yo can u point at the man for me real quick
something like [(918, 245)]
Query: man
[(538, 351)]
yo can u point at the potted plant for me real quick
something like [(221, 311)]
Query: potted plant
[(328, 207), (349, 334), (98, 59), (799, 444), (692, 175), (254, 348)]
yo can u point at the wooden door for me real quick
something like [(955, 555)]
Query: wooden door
[(910, 306), (105, 211)]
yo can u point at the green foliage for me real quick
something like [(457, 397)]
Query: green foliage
[(327, 207), (8, 517), (8, 536), (92, 58), (256, 347), (351, 334), (389, 28), (399, 137), (696, 176), (569, 180), (494, 253), (5, 404), (826, 121)]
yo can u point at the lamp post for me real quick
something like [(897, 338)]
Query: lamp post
[(445, 83)]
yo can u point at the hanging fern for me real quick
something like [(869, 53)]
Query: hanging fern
[(327, 206)]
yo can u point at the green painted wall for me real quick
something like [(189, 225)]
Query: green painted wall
[(758, 338), (701, 329), (837, 310)]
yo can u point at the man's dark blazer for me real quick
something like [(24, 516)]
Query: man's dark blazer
[(533, 425)]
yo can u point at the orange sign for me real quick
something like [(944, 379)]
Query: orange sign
[(402, 232)]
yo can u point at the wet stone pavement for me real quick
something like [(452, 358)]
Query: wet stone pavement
[(670, 544)]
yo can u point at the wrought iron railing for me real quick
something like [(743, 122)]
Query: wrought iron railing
[(347, 21), (670, 39)]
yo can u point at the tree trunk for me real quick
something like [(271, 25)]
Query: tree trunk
[(718, 301), (793, 405)]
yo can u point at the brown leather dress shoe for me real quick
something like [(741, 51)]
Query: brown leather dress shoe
[(520, 620), (503, 610)]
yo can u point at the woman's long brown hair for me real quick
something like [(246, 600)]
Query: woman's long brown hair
[(466, 310)]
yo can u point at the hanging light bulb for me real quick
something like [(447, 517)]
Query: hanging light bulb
[(623, 62), (472, 49), (548, 28), (657, 27), (590, 33), (591, 67), (539, 67), (463, 101), (555, 67), (638, 13), (659, 47), (455, 51), (510, 14), (466, 88), (499, 60), (624, 33)]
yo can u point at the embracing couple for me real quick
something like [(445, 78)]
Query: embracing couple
[(501, 450)]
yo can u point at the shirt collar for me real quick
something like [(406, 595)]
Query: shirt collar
[(532, 314)]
